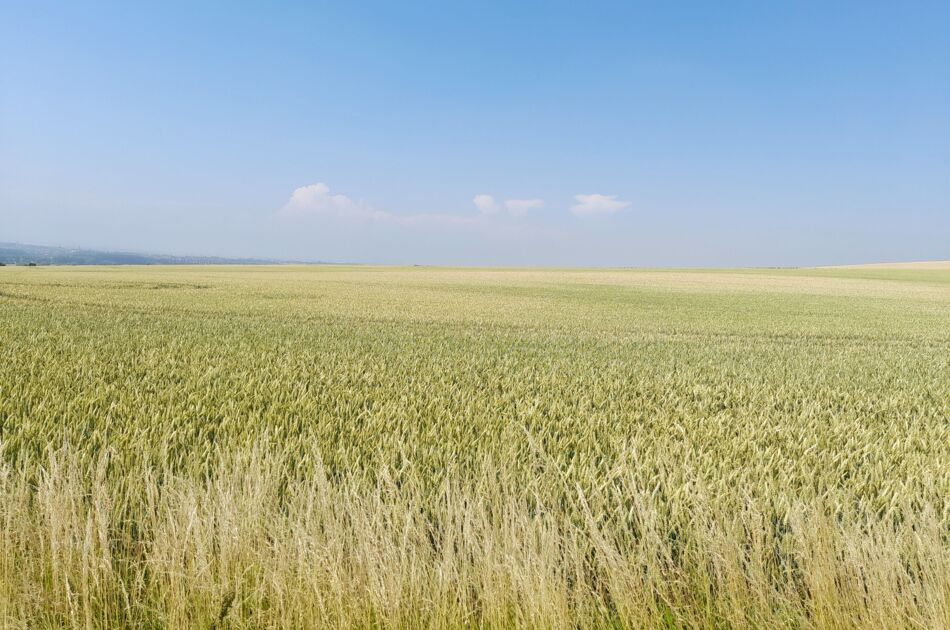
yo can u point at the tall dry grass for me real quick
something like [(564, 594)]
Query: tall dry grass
[(252, 546)]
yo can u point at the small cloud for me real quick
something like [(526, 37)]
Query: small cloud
[(520, 207), (594, 204), (486, 204), (316, 200)]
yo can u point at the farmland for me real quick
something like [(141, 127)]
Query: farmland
[(332, 446)]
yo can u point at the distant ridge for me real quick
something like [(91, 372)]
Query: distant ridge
[(22, 254)]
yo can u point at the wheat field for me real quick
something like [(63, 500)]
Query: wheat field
[(353, 447)]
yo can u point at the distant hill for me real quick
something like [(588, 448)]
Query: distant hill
[(21, 254)]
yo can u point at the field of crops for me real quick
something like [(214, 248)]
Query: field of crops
[(292, 447)]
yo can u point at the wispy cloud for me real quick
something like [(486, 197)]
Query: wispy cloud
[(316, 200), (344, 227), (595, 204), (486, 204)]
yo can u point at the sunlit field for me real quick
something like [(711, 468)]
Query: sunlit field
[(329, 446)]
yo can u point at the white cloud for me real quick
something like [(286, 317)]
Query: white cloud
[(486, 204), (339, 227), (316, 200), (593, 204)]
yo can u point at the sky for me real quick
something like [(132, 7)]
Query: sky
[(480, 133)]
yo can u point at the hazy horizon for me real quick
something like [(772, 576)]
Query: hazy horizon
[(607, 135), (941, 263)]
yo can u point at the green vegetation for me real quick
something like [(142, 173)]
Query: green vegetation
[(287, 447)]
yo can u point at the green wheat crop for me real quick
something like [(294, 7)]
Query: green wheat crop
[(297, 447)]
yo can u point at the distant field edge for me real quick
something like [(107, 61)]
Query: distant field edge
[(923, 264)]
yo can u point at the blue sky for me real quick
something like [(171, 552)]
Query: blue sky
[(580, 133)]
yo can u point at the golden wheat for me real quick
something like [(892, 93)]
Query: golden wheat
[(273, 447)]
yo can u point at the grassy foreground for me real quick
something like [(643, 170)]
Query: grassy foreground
[(281, 447)]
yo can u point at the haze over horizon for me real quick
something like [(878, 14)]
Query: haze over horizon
[(483, 134)]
